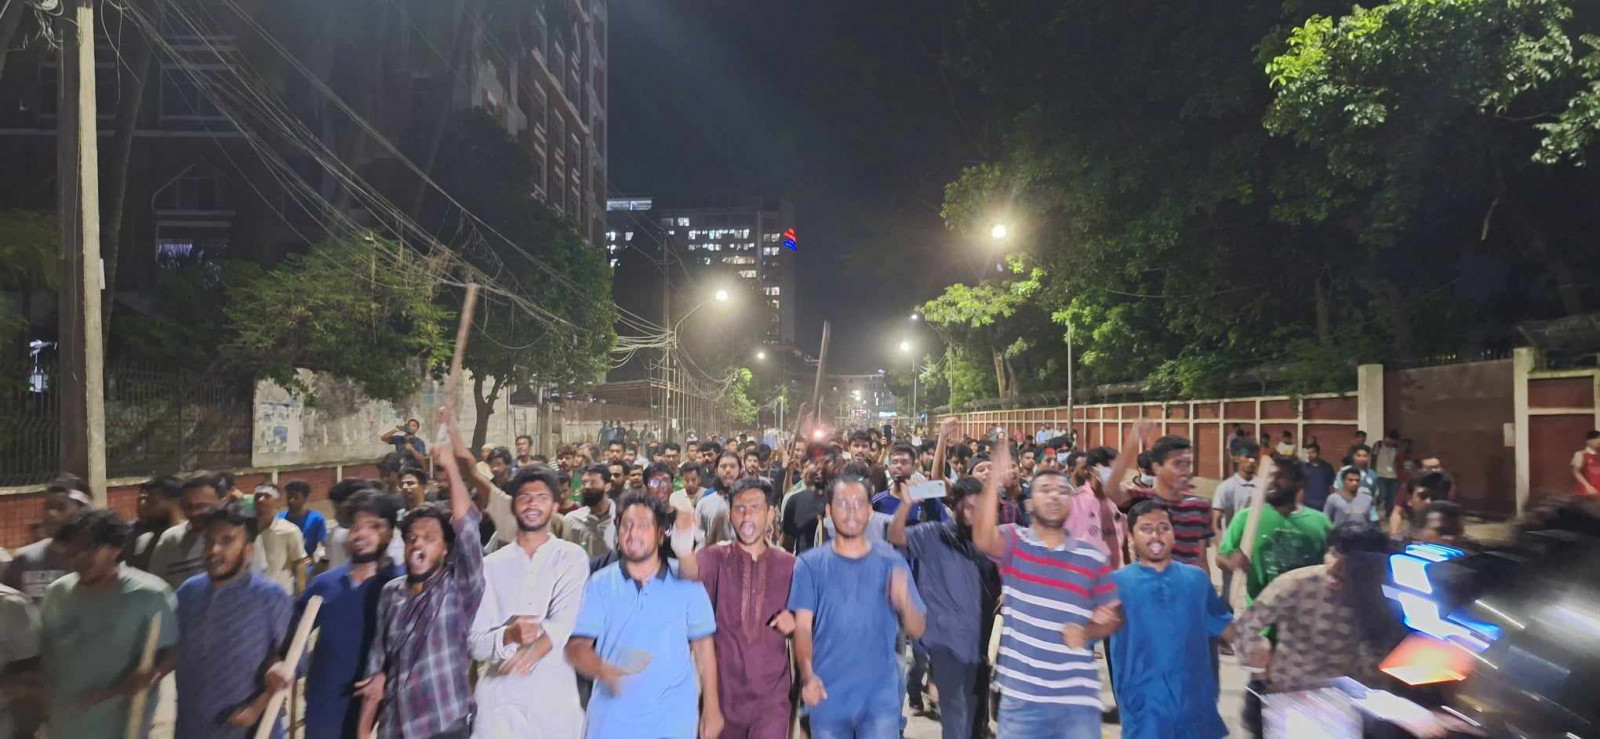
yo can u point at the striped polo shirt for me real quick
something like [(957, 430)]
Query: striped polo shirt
[(1044, 589), (1191, 523)]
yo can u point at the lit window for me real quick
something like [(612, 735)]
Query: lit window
[(614, 263), (627, 236), (708, 261), (773, 238), (684, 222), (692, 247), (769, 251), (693, 234), (748, 274), (611, 236)]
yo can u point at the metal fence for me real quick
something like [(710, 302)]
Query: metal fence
[(157, 421)]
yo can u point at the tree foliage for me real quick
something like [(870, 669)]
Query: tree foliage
[(1213, 190), (556, 330), (735, 401), (360, 309)]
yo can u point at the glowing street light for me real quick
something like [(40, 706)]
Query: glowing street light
[(916, 316), (722, 296), (905, 346), (999, 232), (761, 355)]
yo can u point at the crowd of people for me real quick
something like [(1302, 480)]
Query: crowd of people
[(719, 588)]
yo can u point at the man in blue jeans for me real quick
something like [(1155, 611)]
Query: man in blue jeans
[(850, 599), (1058, 597)]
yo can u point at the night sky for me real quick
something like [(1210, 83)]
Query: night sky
[(839, 106)]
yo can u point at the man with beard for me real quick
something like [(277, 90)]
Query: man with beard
[(1058, 598), (1162, 655), (348, 617), (160, 508), (748, 583), (180, 552), (645, 637), (417, 668), (902, 464), (614, 451), (532, 591), (593, 526), (709, 451), (712, 510), (232, 625), (1289, 536), (851, 601), (961, 587), (94, 622), (803, 511)]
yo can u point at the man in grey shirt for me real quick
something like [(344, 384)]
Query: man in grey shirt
[(1232, 496), (1350, 503)]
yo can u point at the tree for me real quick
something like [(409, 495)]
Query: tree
[(29, 245), (550, 322), (737, 407), (1467, 120), (361, 308)]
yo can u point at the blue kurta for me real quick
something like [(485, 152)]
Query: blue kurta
[(348, 620), (227, 637), (1165, 685)]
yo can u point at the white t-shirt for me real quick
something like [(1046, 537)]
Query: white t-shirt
[(279, 549)]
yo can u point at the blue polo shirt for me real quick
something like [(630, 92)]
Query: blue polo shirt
[(627, 621), (348, 619)]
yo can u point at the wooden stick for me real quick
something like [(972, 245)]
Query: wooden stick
[(297, 646), (453, 383), (1258, 500), (147, 660), (822, 369)]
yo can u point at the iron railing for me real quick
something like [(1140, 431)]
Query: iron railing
[(157, 421)]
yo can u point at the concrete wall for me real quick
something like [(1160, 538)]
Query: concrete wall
[(344, 425)]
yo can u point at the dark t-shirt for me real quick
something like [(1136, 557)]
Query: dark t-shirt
[(1319, 483), (800, 518), (400, 441)]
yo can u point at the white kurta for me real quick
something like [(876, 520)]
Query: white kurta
[(544, 702)]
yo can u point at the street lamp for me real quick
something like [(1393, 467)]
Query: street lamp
[(999, 232), (668, 371), (905, 346), (916, 316), (761, 355), (721, 296)]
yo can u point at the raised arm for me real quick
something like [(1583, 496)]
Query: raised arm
[(986, 520), (1127, 456), (451, 460), (947, 431), (897, 524)]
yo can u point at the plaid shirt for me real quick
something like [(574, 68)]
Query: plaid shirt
[(421, 644)]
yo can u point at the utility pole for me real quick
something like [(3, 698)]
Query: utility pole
[(81, 377), (672, 341)]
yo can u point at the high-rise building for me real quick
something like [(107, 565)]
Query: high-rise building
[(552, 98), (724, 238)]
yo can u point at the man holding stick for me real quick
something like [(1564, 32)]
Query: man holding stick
[(95, 622), (424, 619), (232, 625)]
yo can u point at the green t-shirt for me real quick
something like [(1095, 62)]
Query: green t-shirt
[(91, 639), (1282, 544)]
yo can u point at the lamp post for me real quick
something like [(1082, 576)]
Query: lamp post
[(905, 346), (669, 370)]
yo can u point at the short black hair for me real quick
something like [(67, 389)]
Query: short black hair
[(205, 479), (66, 483), (521, 437), (664, 514), (1311, 445), (534, 474), (973, 463), (227, 481), (232, 513), (297, 487), (603, 470), (1595, 434), (710, 446), (616, 443), (1449, 517), (435, 511), (415, 471), (964, 487), (691, 467), (501, 453), (860, 435), (1437, 485), (344, 489), (1167, 445), (754, 483), (390, 464), (657, 469), (1355, 536), (1348, 471), (764, 450), (98, 527), (1041, 474), (927, 447), (1247, 449), (1359, 448), (737, 458), (1101, 456), (903, 449), (377, 504), (1143, 461), (844, 478), (166, 487), (1144, 508), (671, 446)]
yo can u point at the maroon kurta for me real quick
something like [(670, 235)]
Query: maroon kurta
[(752, 658)]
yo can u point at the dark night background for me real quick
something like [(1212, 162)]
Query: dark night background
[(843, 107)]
